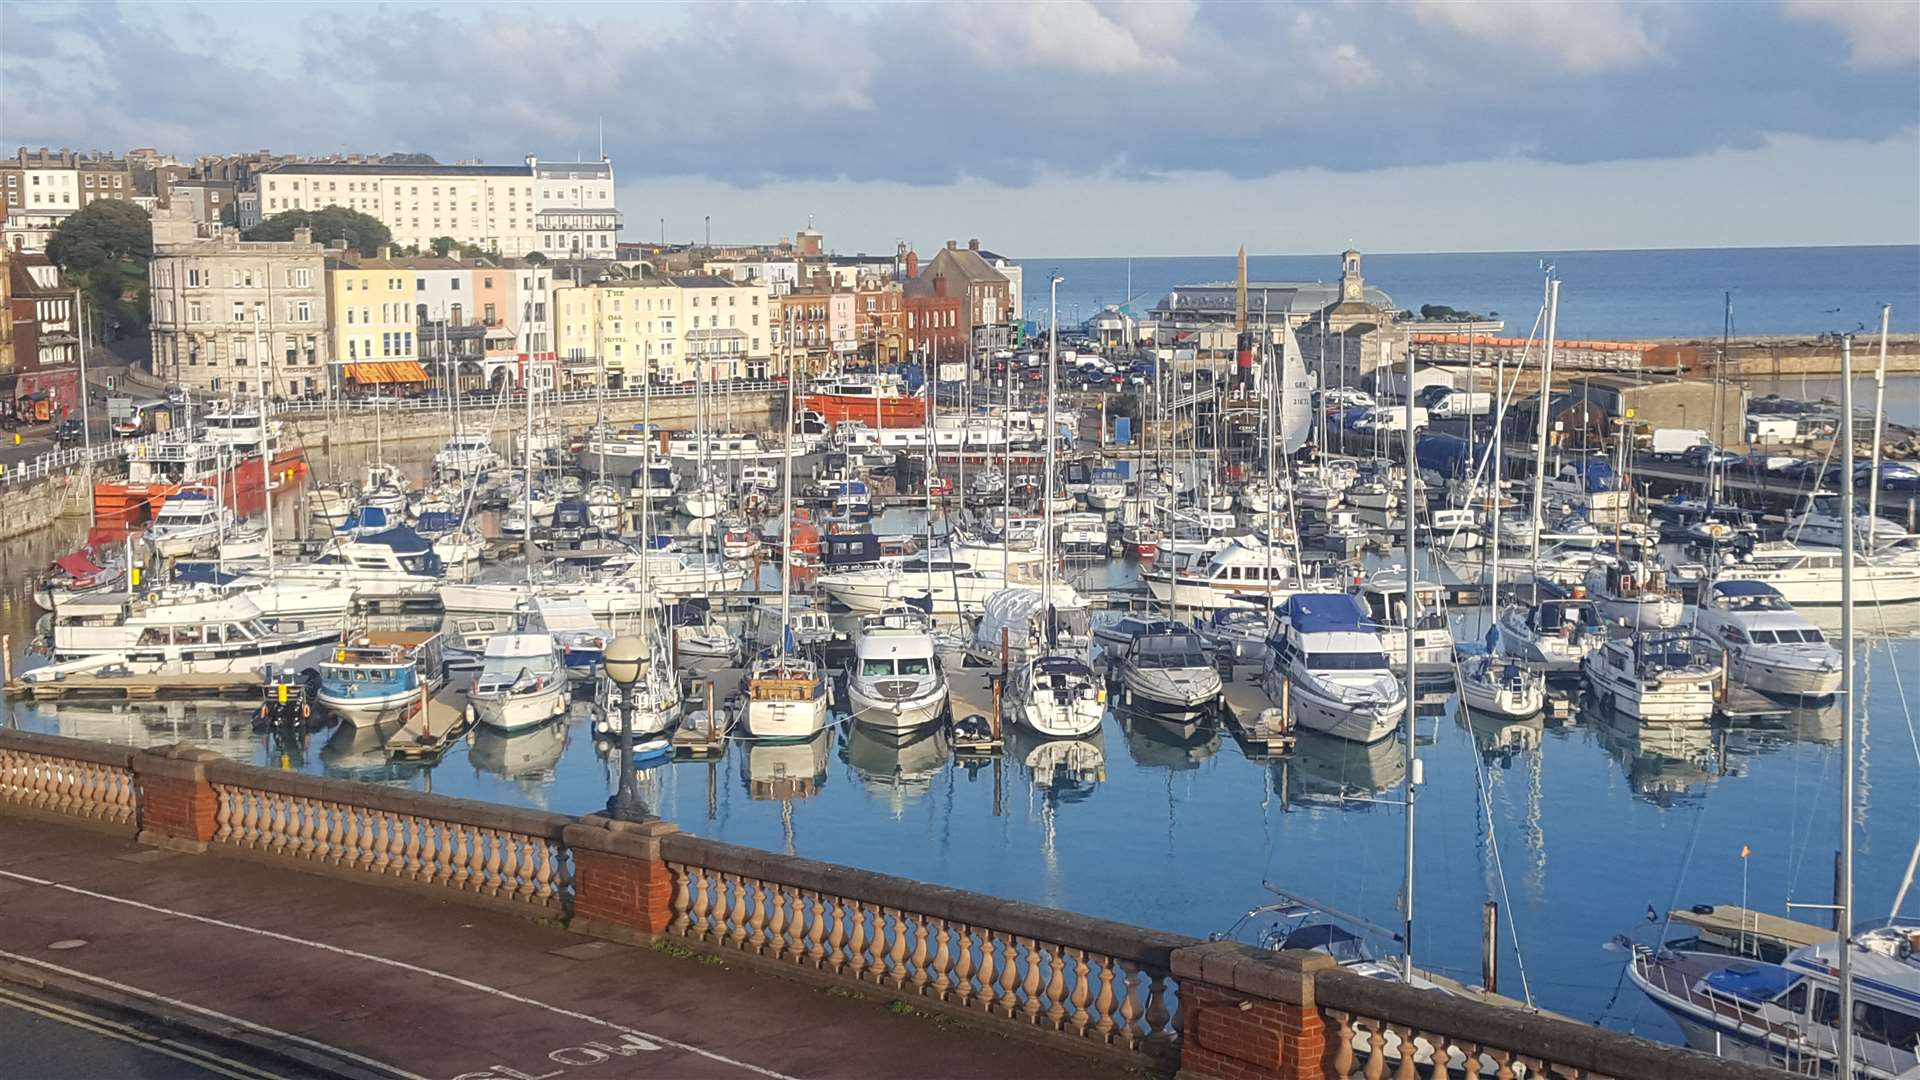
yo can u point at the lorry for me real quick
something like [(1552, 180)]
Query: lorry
[(1671, 444)]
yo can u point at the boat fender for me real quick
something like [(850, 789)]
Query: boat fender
[(1701, 909)]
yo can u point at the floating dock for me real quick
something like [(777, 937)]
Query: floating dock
[(975, 691), (1737, 930), (428, 733), (1256, 721), (126, 687)]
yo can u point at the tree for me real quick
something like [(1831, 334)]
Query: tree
[(104, 250), (534, 258), (362, 233), (443, 244)]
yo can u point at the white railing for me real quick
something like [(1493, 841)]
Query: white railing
[(65, 461), (482, 400)]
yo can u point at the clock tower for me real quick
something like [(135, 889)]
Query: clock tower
[(1352, 285)]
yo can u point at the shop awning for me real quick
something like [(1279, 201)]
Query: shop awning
[(387, 371)]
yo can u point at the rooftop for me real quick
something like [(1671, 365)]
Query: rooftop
[(334, 168)]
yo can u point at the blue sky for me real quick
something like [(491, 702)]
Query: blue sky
[(1059, 128)]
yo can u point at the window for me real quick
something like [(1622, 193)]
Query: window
[(239, 311), (303, 311), (420, 284)]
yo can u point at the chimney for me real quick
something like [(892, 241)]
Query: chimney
[(913, 264), (952, 244), (386, 252), (973, 245), (302, 235)]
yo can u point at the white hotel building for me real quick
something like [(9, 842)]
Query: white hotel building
[(561, 209)]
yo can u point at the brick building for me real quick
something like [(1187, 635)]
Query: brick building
[(42, 382)]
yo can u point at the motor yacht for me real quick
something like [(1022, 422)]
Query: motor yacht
[(1105, 491), (1083, 536), (1240, 571), (1822, 523), (953, 586), (395, 564), (1660, 676), (1056, 696), (374, 677), (1633, 591), (1169, 674), (188, 522), (466, 454), (1384, 596), (522, 682), (1237, 634), (786, 700), (894, 680), (1809, 576), (1770, 647), (1328, 667), (177, 631)]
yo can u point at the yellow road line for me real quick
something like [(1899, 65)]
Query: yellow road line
[(113, 1029)]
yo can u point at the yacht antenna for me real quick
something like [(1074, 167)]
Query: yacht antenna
[(1412, 722), (1540, 435), (1844, 886), (1879, 421)]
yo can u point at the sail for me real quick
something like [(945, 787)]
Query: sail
[(1296, 395)]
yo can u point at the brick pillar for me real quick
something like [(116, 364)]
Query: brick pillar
[(1250, 1013), (176, 805), (621, 886)]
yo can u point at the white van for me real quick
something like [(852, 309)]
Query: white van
[(1459, 403)]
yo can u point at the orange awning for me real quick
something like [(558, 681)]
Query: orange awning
[(390, 371)]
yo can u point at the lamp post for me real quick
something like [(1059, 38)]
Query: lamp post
[(625, 661)]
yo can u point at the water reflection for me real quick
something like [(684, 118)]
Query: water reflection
[(224, 728), (1500, 739), (1065, 770), (527, 757), (359, 752), (785, 770), (1666, 764), (1162, 742), (898, 770), (1325, 771)]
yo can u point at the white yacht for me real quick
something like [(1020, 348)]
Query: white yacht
[(1083, 536), (189, 522), (1057, 697), (1502, 686), (957, 586), (1810, 576), (1555, 634), (1012, 622), (397, 564), (894, 681), (1169, 674), (654, 698), (1665, 676), (1328, 667), (467, 453), (1634, 592), (521, 684), (1385, 598), (606, 507), (178, 632), (786, 700), (1240, 571), (1770, 647), (1106, 491), (1821, 524), (1783, 1014), (718, 446)]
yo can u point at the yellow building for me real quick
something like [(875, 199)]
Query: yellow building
[(370, 308), (630, 326)]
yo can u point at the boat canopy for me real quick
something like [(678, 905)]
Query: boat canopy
[(1448, 455), (1739, 587), (1597, 474), (849, 549), (402, 539), (1757, 983), (1326, 612), (76, 565), (202, 573)]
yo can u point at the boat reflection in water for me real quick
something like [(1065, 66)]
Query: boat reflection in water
[(526, 756), (1666, 764), (359, 752), (1156, 743), (899, 771), (1066, 770), (1325, 770), (1499, 739), (224, 728), (785, 770)]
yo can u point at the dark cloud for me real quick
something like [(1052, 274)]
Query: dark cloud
[(924, 94)]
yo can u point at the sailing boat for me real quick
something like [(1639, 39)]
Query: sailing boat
[(1055, 693), (786, 694), (1493, 684)]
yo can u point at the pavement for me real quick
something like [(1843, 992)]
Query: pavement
[(352, 980), (49, 1037)]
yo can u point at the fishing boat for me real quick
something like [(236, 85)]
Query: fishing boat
[(880, 400), (1661, 676), (1328, 666), (373, 677), (1784, 1015), (521, 684), (178, 631), (1770, 647), (180, 460), (188, 522), (1169, 674), (1056, 697), (894, 680)]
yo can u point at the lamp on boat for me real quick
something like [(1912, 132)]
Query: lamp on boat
[(624, 660)]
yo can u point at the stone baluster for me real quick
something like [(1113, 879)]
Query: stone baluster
[(1503, 1065), (917, 926), (1056, 987), (1129, 1004), (1031, 984), (837, 938), (680, 903), (1103, 1002), (1408, 1051), (89, 791), (1340, 1026), (777, 924), (1010, 976), (737, 914), (816, 930), (461, 874), (278, 824), (250, 822), (703, 920), (757, 918), (367, 849), (857, 946), (897, 945), (989, 990), (1376, 1063), (416, 838), (1081, 993), (942, 961), (222, 815), (1158, 1018), (545, 855), (309, 827)]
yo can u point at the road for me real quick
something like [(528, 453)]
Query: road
[(50, 1039)]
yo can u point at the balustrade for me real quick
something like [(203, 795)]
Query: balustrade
[(97, 787)]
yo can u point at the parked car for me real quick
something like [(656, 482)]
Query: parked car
[(1704, 456), (69, 433)]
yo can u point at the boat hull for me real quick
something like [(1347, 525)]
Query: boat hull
[(790, 721), (124, 503), (519, 712), (884, 412), (891, 715)]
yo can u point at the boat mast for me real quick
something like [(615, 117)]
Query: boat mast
[(1879, 421), (1046, 512), (526, 542), (786, 509), (1844, 884), (1540, 435), (1276, 384), (1412, 617), (266, 447)]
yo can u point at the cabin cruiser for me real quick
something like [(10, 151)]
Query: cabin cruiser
[(623, 586), (894, 681), (1238, 634), (1337, 532), (1241, 571), (521, 684), (1783, 1014), (654, 483), (385, 488), (1056, 696), (1810, 576), (1169, 673), (1502, 686), (188, 522), (466, 454), (786, 700), (716, 446), (286, 605), (581, 640), (953, 586), (1083, 536), (373, 677), (1385, 598), (396, 564), (1012, 626), (1662, 676), (1555, 633), (1105, 491), (1117, 637), (176, 632), (1328, 667), (1633, 591), (1770, 647), (1822, 524)]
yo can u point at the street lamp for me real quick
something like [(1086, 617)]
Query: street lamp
[(625, 661)]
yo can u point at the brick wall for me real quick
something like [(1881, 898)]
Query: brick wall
[(621, 885)]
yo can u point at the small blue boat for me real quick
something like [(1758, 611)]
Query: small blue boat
[(381, 676)]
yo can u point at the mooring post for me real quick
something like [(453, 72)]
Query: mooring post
[(1490, 946)]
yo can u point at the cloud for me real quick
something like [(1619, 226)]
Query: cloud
[(1072, 35), (1881, 33), (1583, 36)]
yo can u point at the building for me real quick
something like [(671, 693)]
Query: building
[(223, 308), (727, 327), (41, 382), (673, 329), (934, 328), (879, 319), (1655, 402), (209, 201), (513, 300), (985, 294), (561, 209), (1016, 279), (6, 300), (576, 216), (1350, 339), (372, 319), (42, 187)]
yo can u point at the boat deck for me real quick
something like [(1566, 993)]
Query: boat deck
[(1726, 925), (139, 687)]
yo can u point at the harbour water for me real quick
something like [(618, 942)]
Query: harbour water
[(1579, 829), (1607, 294)]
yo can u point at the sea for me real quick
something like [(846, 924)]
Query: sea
[(1661, 293)]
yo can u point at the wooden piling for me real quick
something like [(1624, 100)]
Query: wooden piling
[(1490, 947)]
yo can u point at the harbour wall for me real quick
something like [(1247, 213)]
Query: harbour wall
[(321, 433)]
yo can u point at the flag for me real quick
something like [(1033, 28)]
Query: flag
[(1745, 851)]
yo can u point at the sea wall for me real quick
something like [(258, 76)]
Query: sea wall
[(31, 507), (322, 434)]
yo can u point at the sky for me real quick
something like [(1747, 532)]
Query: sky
[(1064, 128)]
